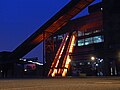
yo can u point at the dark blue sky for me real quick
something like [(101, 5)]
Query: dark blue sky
[(20, 18)]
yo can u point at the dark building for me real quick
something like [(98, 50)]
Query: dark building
[(97, 44), (111, 14), (25, 67)]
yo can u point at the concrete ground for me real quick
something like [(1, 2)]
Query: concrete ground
[(87, 83)]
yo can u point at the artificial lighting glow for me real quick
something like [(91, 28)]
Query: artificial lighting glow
[(30, 61), (68, 60), (64, 72), (88, 62), (58, 56), (96, 64), (20, 59), (1, 71), (24, 60), (101, 60), (25, 70), (80, 63), (92, 58), (54, 72), (101, 9), (59, 71), (39, 63)]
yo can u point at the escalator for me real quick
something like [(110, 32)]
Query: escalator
[(61, 63), (59, 53), (67, 59)]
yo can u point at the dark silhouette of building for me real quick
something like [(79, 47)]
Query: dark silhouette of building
[(111, 14)]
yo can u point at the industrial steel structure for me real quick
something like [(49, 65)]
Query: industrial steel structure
[(49, 28), (94, 54), (88, 41), (88, 45)]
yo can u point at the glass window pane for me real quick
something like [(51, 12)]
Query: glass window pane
[(88, 33), (80, 33), (81, 42), (97, 30), (54, 38), (88, 41), (60, 37), (98, 39)]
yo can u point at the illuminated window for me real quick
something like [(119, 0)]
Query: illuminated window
[(81, 63), (98, 39), (97, 30), (80, 33), (74, 64), (54, 38), (88, 41), (60, 37), (88, 33), (88, 63), (81, 42)]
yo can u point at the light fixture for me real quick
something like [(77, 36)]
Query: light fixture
[(92, 58), (24, 60), (1, 71), (25, 70)]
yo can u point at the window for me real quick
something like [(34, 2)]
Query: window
[(97, 31), (88, 41), (54, 38), (88, 33), (98, 39), (81, 42), (81, 63), (80, 33), (60, 37)]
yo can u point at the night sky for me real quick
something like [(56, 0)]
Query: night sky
[(21, 18)]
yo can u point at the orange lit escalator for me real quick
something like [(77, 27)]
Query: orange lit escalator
[(61, 63), (67, 59), (55, 63)]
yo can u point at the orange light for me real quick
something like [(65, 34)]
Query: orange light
[(68, 60), (57, 57)]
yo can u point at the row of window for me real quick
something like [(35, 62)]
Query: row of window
[(83, 33), (90, 40), (80, 33), (59, 37)]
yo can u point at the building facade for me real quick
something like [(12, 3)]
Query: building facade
[(93, 53)]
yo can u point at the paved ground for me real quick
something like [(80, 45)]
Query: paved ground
[(61, 84)]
